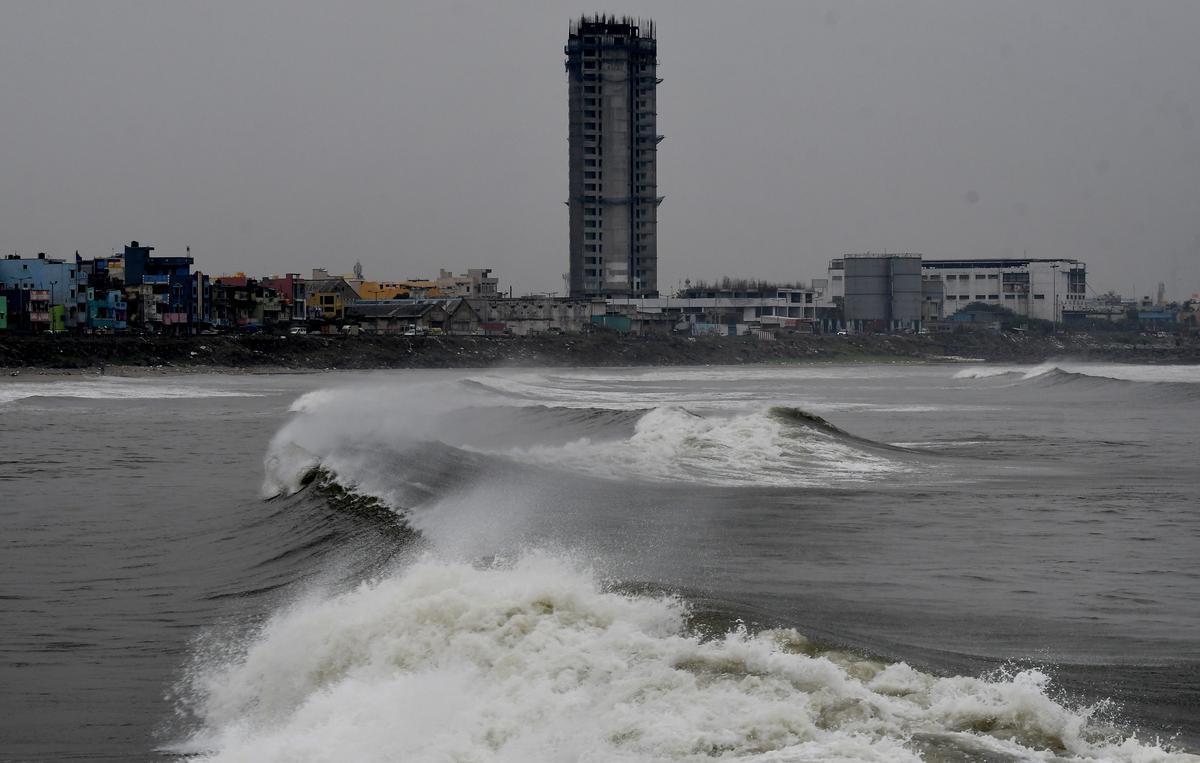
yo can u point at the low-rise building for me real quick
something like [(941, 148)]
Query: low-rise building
[(293, 295), (727, 311), (326, 299), (158, 290), (1034, 288), (536, 314), (397, 317), (476, 282), (1045, 289), (55, 296), (239, 302), (461, 318), (107, 309)]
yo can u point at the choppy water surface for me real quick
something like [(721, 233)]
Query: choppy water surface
[(792, 563)]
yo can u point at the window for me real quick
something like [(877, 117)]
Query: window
[(980, 297), (951, 296), (993, 296), (1039, 296), (1010, 296), (964, 296), (980, 276), (993, 276)]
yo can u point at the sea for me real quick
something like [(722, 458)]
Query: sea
[(806, 562)]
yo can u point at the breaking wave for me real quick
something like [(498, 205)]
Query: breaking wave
[(772, 447), (396, 444), (1171, 382), (457, 628), (540, 659)]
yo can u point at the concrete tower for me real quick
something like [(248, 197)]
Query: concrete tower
[(611, 73)]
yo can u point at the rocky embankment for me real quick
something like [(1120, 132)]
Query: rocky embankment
[(273, 352)]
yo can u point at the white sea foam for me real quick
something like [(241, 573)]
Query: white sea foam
[(110, 388), (672, 444), (535, 661)]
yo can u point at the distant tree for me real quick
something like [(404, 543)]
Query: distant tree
[(726, 283)]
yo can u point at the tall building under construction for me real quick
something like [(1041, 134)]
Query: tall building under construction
[(611, 71)]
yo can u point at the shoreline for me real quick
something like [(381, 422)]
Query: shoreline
[(254, 354)]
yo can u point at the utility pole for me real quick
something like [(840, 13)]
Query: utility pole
[(1054, 294)]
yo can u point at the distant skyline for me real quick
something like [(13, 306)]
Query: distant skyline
[(282, 136)]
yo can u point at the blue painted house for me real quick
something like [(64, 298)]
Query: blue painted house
[(52, 293), (160, 290)]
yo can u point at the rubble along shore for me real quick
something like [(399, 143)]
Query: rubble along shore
[(266, 353)]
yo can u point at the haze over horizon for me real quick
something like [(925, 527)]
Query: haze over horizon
[(273, 137)]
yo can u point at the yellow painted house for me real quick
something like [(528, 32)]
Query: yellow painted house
[(327, 298)]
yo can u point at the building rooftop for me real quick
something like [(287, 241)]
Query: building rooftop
[(326, 284), (390, 310), (994, 263)]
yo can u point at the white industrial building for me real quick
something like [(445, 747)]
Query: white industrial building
[(1035, 288)]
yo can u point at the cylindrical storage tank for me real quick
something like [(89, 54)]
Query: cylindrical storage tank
[(867, 289), (906, 289)]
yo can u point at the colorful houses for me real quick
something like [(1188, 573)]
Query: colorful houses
[(43, 294)]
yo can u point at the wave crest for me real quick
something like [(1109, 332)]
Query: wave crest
[(773, 447), (1176, 383)]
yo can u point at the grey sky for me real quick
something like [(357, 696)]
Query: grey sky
[(278, 136)]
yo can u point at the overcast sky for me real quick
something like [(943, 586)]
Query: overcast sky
[(279, 136)]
